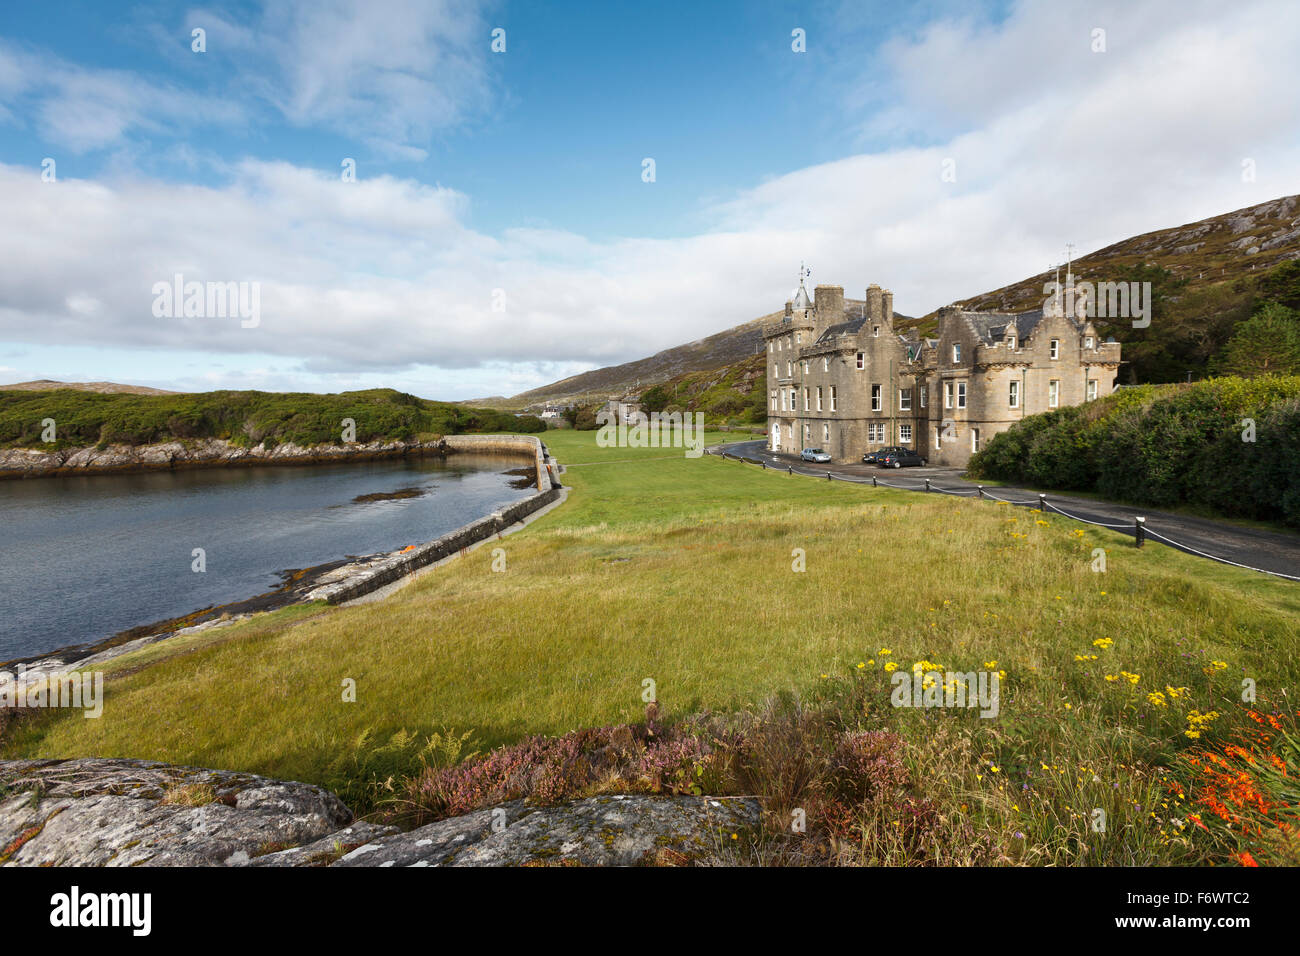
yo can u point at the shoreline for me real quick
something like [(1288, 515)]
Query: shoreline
[(177, 455), (341, 580)]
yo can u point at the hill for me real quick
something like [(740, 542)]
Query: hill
[(1205, 280), (106, 388), (244, 418)]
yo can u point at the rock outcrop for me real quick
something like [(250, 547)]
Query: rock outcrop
[(102, 812), (197, 453)]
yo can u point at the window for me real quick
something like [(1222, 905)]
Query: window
[(1092, 389), (826, 434), (789, 369), (819, 398), (793, 396), (776, 370), (876, 432), (947, 394), (1087, 341), (805, 399), (1011, 341), (961, 394), (1053, 393), (807, 434), (974, 439), (875, 331), (904, 399), (826, 365), (772, 396), (1056, 348), (924, 389), (956, 353), (780, 344), (798, 338), (805, 366), (875, 398), (782, 399), (833, 396), (771, 346), (789, 432), (862, 361), (905, 434), (1013, 399)]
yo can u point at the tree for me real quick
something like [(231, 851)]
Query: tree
[(1268, 343)]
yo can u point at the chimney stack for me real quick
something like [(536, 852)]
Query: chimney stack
[(874, 303), (828, 301), (887, 298)]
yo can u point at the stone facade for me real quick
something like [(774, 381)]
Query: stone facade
[(845, 380)]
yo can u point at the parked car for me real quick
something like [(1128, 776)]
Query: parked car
[(873, 457), (899, 458), (814, 454)]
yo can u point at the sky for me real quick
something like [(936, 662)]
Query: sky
[(463, 199)]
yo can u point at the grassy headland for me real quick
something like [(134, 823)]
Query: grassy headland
[(244, 418), (681, 571)]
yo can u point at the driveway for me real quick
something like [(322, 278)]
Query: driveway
[(1274, 552)]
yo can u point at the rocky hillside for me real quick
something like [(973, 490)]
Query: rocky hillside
[(1205, 270), (1223, 249)]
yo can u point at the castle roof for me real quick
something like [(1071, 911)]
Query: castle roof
[(993, 327)]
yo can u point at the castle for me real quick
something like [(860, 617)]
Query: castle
[(841, 378)]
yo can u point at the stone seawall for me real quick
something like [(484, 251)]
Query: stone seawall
[(404, 563), (374, 577)]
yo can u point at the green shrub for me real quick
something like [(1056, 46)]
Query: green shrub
[(1167, 445)]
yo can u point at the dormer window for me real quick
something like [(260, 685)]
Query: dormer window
[(956, 353), (1087, 341), (1011, 342)]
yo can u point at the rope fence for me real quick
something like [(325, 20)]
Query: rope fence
[(1137, 528)]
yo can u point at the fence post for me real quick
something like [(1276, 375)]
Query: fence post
[(927, 484), (1042, 502), (763, 462), (1139, 530), (828, 476), (873, 481), (789, 469), (980, 491)]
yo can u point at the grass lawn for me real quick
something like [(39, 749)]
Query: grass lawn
[(680, 571)]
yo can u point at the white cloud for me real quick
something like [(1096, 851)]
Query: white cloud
[(388, 72)]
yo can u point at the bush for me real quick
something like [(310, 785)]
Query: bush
[(1167, 445)]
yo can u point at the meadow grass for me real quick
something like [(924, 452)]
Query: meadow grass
[(680, 571)]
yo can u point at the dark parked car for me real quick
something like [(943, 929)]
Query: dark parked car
[(899, 458), (873, 457)]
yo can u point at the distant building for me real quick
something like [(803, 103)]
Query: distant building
[(624, 411), (850, 383)]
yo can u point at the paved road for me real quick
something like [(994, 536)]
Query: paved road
[(1273, 551)]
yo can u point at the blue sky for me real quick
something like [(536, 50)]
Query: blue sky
[(500, 235)]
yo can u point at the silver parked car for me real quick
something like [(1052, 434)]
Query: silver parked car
[(814, 454)]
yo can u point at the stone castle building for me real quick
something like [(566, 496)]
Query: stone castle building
[(845, 380)]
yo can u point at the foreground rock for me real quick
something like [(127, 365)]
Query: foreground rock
[(100, 812)]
